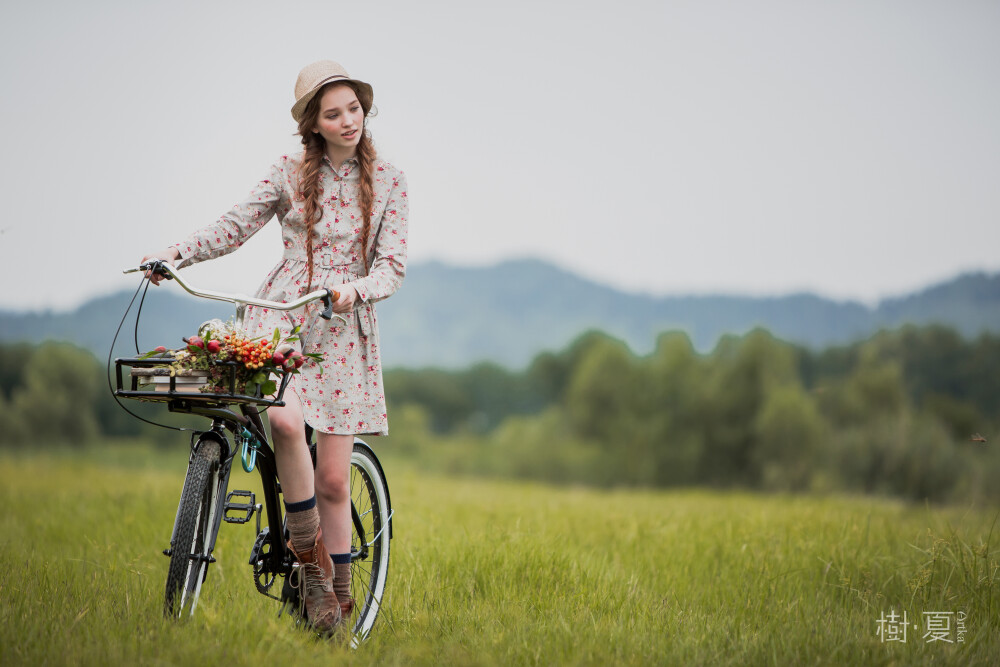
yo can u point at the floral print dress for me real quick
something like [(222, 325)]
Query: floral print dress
[(343, 394)]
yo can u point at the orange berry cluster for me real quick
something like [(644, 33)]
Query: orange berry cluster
[(253, 354)]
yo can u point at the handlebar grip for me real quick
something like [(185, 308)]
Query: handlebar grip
[(156, 267), (328, 300)]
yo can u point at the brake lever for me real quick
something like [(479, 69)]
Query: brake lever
[(155, 267), (328, 300)]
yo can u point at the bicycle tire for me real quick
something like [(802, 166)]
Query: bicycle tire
[(195, 518), (370, 495)]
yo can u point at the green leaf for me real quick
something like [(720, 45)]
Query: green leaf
[(277, 336), (268, 388)]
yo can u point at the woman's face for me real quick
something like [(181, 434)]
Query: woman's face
[(341, 118)]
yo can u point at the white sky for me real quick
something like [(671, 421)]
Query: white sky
[(850, 148)]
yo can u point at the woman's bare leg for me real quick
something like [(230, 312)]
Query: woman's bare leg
[(333, 497), (291, 452), (333, 489)]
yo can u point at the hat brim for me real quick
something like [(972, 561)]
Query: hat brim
[(365, 95)]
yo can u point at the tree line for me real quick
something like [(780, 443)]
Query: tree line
[(904, 413), (910, 412)]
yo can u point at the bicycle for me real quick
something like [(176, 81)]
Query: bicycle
[(206, 501)]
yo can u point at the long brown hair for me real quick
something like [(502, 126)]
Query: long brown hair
[(309, 189)]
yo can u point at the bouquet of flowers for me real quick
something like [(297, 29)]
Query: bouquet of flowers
[(222, 353)]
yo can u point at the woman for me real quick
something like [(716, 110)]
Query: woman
[(343, 225)]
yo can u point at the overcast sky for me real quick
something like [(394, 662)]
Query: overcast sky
[(849, 148)]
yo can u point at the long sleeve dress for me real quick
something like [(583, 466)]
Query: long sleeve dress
[(343, 394)]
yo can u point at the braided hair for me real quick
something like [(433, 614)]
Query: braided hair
[(311, 191)]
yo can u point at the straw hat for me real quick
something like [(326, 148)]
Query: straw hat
[(315, 76)]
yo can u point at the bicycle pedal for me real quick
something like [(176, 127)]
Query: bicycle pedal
[(247, 508)]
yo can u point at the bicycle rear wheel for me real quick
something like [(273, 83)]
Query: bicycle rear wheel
[(189, 550), (369, 540)]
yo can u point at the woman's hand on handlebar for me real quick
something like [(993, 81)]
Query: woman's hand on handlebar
[(347, 296), (170, 255)]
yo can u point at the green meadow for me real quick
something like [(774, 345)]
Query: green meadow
[(488, 572)]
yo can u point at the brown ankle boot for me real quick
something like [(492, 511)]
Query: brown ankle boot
[(316, 586)]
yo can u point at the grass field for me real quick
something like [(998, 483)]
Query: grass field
[(485, 572)]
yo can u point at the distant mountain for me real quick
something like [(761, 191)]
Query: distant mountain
[(508, 313)]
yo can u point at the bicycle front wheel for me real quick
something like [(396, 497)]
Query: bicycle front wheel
[(369, 539), (189, 550)]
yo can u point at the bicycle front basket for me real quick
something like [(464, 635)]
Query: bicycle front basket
[(151, 379)]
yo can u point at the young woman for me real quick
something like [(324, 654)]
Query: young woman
[(343, 224)]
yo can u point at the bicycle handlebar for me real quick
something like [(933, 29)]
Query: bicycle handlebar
[(325, 295)]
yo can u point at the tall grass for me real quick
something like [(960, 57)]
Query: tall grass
[(502, 573)]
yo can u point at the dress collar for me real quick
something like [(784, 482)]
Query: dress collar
[(346, 169)]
